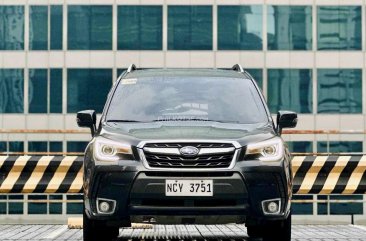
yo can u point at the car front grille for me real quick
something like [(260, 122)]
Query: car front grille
[(180, 145), (167, 155)]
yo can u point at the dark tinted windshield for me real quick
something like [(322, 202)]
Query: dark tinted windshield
[(187, 98)]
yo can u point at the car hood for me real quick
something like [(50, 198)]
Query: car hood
[(137, 132)]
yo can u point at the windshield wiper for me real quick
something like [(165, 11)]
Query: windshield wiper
[(123, 121), (196, 119)]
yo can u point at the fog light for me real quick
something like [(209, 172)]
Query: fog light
[(272, 207), (104, 207)]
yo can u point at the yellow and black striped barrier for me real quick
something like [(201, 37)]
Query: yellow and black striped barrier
[(41, 174), (63, 174), (329, 174)]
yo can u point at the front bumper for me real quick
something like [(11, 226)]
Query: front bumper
[(140, 193)]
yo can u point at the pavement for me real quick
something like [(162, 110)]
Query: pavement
[(182, 232)]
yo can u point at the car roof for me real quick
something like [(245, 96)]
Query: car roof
[(224, 73)]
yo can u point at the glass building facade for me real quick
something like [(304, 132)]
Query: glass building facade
[(306, 56)]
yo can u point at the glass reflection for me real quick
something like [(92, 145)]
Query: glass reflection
[(339, 28), (76, 146), (339, 91), (16, 146), (37, 146), (290, 89), (11, 91), (38, 27), (289, 27), (56, 27), (339, 146), (11, 27), (300, 146), (87, 89), (140, 27), (257, 74), (37, 91), (240, 27), (89, 27), (55, 90), (190, 27)]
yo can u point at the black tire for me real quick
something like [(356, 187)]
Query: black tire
[(94, 230), (272, 231), (279, 230), (255, 231)]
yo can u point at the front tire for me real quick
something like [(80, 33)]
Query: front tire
[(95, 230), (272, 231)]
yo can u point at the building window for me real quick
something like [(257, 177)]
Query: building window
[(55, 97), (190, 27), (55, 206), (339, 91), (289, 27), (37, 146), (38, 27), (16, 146), (346, 208), (74, 204), (38, 90), (257, 74), (45, 91), (339, 28), (89, 27), (300, 146), (87, 89), (240, 27), (11, 27), (3, 146), (16, 204), (290, 89), (55, 146), (340, 146), (44, 146), (11, 90), (326, 208), (37, 204), (56, 27), (3, 204), (140, 27), (302, 208), (76, 146)]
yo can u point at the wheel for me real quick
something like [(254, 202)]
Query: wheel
[(94, 230), (279, 230), (255, 231), (272, 231)]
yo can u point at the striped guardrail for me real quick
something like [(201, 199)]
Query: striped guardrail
[(41, 174), (329, 174), (63, 174)]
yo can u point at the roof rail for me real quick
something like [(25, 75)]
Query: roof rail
[(237, 67), (131, 68)]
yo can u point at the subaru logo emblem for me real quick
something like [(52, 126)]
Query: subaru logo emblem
[(189, 151)]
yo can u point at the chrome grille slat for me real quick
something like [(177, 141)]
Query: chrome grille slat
[(169, 159)]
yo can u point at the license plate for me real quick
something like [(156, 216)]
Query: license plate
[(189, 188)]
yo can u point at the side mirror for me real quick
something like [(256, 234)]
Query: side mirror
[(87, 118), (286, 119)]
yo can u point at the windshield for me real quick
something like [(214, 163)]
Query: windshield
[(147, 99)]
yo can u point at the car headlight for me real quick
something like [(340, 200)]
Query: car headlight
[(107, 150), (268, 150)]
